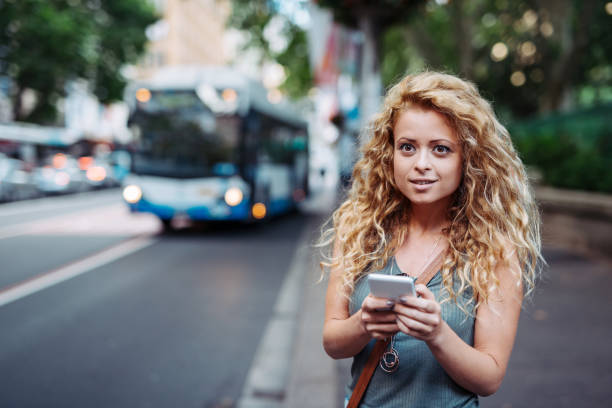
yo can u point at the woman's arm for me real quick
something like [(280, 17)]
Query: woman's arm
[(345, 335), (482, 367)]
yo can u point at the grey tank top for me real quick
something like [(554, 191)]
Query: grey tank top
[(419, 381)]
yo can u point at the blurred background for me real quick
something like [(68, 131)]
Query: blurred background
[(164, 164)]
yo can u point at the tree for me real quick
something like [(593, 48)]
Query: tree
[(254, 17), (373, 18), (46, 43), (527, 56)]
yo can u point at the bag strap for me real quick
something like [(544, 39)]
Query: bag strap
[(381, 345)]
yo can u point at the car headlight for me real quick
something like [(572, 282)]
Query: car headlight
[(132, 194), (233, 196)]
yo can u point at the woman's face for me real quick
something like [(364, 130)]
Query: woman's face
[(427, 157)]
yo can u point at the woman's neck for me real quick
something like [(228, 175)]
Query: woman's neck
[(429, 219)]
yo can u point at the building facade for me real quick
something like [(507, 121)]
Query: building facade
[(189, 32)]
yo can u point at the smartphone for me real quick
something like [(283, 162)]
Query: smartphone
[(391, 286)]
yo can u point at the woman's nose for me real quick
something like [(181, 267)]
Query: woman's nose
[(423, 162)]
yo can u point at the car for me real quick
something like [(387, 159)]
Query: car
[(16, 182), (62, 175)]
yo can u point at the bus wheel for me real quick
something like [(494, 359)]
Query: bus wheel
[(167, 224)]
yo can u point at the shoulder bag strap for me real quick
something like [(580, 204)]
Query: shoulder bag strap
[(381, 345)]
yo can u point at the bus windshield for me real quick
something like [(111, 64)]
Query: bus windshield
[(177, 136)]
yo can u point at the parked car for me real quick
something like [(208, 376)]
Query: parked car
[(62, 175), (98, 172), (16, 182)]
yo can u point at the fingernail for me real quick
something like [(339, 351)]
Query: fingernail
[(404, 300), (390, 303)]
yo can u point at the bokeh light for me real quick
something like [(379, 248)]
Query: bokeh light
[(530, 18), (143, 95), (259, 211), (528, 49), (229, 95), (96, 173), (547, 29), (517, 78), (59, 161), (499, 51), (233, 196), (275, 96)]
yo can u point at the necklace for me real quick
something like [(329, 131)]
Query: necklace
[(428, 259), (390, 359)]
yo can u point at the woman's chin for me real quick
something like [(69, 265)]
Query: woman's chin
[(427, 199)]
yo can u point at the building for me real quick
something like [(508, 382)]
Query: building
[(189, 32)]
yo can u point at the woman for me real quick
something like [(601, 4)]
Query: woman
[(438, 175)]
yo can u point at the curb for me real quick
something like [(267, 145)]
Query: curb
[(267, 379), (580, 203), (576, 220)]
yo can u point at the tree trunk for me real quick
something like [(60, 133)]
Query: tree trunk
[(462, 22), (574, 41), (371, 82), (17, 101)]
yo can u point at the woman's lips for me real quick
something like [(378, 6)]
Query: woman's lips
[(422, 184)]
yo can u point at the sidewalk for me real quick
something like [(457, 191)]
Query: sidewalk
[(314, 378)]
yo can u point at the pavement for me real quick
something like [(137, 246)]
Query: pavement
[(560, 358)]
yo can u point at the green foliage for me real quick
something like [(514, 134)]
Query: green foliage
[(398, 61), (252, 17), (46, 43), (295, 61), (571, 150), (572, 49)]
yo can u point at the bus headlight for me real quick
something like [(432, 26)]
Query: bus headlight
[(233, 196), (132, 194)]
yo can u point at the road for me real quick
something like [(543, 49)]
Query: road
[(127, 316)]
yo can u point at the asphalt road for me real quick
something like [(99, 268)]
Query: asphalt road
[(174, 323)]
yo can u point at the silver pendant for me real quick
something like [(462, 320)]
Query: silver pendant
[(389, 361)]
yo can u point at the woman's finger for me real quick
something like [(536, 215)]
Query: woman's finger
[(414, 325), (377, 317), (425, 292), (384, 330), (374, 304), (426, 305), (430, 319)]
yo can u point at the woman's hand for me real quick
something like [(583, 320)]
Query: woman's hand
[(419, 317), (378, 318)]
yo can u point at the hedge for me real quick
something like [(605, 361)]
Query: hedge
[(570, 150)]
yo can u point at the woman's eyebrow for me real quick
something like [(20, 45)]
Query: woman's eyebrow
[(441, 140), (407, 139)]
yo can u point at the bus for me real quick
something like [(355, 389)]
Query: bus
[(210, 144)]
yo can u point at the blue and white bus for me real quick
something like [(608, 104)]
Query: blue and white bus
[(210, 145)]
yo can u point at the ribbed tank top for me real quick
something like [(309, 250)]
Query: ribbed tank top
[(419, 381)]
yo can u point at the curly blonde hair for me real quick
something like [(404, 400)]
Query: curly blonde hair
[(493, 211)]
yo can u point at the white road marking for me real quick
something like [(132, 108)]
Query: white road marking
[(54, 203), (112, 219), (77, 268)]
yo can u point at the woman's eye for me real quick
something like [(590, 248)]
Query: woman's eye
[(406, 147), (441, 149)]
